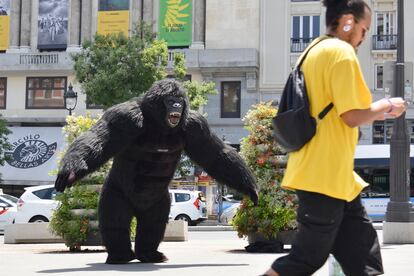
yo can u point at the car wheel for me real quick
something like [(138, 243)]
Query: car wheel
[(185, 218), (38, 219)]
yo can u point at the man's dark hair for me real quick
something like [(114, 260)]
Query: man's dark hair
[(336, 8)]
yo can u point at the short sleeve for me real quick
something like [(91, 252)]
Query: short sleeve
[(349, 89)]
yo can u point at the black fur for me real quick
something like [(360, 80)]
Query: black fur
[(146, 151)]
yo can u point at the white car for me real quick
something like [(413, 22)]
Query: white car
[(36, 204), (187, 205), (8, 209), (229, 213)]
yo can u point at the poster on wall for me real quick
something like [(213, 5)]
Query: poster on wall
[(52, 24), (175, 22), (113, 17), (4, 24), (34, 153)]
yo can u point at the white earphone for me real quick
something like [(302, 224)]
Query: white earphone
[(348, 26)]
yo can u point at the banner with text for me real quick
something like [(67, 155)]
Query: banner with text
[(113, 17), (52, 24), (4, 24), (33, 154), (175, 22)]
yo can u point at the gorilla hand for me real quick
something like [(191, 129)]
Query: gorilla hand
[(254, 196), (63, 180)]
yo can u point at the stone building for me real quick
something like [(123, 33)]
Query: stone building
[(246, 47)]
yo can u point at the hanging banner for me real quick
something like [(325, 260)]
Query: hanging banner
[(175, 22), (4, 24), (113, 17), (52, 24)]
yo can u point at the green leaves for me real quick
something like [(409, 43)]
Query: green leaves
[(113, 68), (4, 141), (276, 210)]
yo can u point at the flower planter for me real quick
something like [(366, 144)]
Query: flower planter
[(285, 237)]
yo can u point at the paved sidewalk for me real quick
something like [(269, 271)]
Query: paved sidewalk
[(206, 253)]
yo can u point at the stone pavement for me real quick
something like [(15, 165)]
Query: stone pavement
[(205, 253)]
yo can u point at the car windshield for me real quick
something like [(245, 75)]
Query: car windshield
[(10, 197)]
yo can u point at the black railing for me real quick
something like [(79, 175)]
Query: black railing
[(384, 42), (297, 45)]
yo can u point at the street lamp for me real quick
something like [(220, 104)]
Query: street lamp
[(399, 216), (70, 98)]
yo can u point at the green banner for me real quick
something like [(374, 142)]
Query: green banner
[(175, 22)]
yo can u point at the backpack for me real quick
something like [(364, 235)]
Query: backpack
[(293, 125)]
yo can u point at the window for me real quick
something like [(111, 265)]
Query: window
[(230, 99), (385, 31), (381, 132), (47, 193), (181, 197), (304, 29), (3, 92), (45, 92), (379, 76)]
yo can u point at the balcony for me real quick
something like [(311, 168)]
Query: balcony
[(298, 45), (384, 42), (29, 62)]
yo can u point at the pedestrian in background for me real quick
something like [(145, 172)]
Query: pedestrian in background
[(331, 217)]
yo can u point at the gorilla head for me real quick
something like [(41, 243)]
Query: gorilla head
[(166, 104)]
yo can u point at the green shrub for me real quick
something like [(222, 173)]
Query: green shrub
[(276, 210)]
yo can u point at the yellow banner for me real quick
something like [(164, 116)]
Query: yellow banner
[(4, 32), (113, 22)]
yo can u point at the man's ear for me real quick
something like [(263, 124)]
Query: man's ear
[(346, 22)]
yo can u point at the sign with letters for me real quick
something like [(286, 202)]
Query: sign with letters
[(34, 153)]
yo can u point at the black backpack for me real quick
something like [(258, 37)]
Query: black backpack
[(293, 125)]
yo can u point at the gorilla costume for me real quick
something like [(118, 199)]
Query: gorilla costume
[(146, 136)]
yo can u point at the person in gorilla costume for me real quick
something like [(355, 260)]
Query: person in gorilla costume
[(146, 136)]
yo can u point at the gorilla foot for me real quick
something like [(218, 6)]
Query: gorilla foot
[(155, 257), (116, 259)]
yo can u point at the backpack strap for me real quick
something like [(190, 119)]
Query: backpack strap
[(325, 111), (327, 108), (308, 49)]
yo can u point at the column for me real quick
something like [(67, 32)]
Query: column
[(148, 10), (199, 24), (74, 26), (134, 14), (86, 20), (14, 36), (26, 12)]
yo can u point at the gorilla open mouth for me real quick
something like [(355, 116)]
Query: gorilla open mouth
[(174, 119)]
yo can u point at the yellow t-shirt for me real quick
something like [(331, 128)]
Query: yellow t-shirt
[(325, 165)]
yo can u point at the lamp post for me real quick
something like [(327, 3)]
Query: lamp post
[(399, 208), (70, 98)]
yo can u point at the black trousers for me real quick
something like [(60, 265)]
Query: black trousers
[(329, 225)]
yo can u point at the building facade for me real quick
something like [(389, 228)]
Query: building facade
[(247, 48)]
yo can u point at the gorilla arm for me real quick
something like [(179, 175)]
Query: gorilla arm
[(113, 132), (219, 160)]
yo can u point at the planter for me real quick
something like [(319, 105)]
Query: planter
[(258, 243), (93, 239)]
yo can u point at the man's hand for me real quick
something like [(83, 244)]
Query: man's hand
[(63, 180)]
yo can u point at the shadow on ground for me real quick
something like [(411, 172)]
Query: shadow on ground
[(133, 266)]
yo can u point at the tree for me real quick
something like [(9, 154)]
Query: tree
[(114, 68), (4, 141)]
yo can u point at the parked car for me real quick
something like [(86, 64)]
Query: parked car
[(8, 209), (230, 212), (36, 204), (189, 206)]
